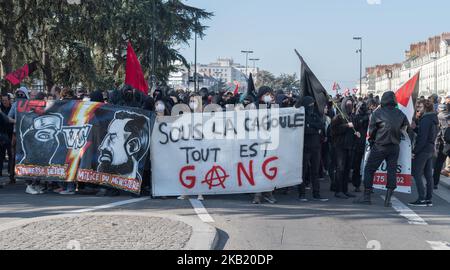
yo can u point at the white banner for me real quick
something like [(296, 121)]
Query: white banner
[(404, 177), (227, 153)]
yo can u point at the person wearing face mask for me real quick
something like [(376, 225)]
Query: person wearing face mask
[(362, 124), (385, 130), (314, 129), (442, 142), (160, 108), (21, 94), (266, 97), (345, 135)]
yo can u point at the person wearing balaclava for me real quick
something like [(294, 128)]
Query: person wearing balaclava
[(314, 130), (385, 131), (362, 124), (343, 132), (204, 93), (127, 96), (266, 97)]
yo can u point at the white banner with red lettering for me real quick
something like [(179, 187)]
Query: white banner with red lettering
[(227, 153), (404, 177)]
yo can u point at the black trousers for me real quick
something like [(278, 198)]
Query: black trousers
[(343, 166), (422, 167), (311, 166), (357, 160), (440, 161), (377, 155)]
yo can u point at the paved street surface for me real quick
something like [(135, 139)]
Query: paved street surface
[(289, 224)]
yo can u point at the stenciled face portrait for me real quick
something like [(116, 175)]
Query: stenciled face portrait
[(40, 141), (125, 144)]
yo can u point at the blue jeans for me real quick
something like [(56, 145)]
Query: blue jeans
[(423, 166)]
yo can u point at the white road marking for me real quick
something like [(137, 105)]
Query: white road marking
[(436, 245), (106, 206), (201, 211), (407, 213)]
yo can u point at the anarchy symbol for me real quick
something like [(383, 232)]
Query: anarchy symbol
[(216, 177)]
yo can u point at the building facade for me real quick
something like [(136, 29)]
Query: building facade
[(223, 71), (431, 58)]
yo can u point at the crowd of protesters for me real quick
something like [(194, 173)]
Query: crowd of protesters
[(334, 142)]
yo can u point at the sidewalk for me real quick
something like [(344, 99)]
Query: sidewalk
[(108, 231)]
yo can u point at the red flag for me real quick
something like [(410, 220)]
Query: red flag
[(19, 75), (134, 76), (407, 95), (236, 90)]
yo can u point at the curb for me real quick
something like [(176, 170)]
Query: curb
[(204, 236)]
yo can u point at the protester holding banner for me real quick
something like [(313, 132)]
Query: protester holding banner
[(265, 99), (385, 129), (21, 94), (423, 152)]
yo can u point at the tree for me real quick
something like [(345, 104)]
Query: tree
[(285, 82), (86, 43)]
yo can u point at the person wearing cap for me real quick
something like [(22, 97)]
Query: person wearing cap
[(20, 95)]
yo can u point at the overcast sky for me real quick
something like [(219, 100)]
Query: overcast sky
[(322, 31)]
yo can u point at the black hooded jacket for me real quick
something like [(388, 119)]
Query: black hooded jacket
[(342, 135), (427, 132), (314, 125), (387, 122), (362, 124)]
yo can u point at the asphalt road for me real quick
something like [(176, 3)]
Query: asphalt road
[(289, 224)]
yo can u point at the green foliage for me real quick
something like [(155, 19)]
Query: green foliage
[(87, 43)]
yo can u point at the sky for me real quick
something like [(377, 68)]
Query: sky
[(321, 30)]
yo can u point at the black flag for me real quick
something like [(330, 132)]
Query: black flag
[(251, 89), (310, 86)]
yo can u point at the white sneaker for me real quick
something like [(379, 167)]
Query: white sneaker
[(39, 189), (30, 190), (200, 198), (182, 197)]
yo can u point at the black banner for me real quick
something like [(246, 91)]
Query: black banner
[(83, 141)]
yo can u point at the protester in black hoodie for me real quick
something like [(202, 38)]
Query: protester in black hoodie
[(314, 129), (385, 131), (423, 152), (362, 124), (344, 139)]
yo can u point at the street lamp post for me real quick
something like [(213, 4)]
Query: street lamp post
[(195, 65), (360, 51), (254, 61), (246, 61)]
